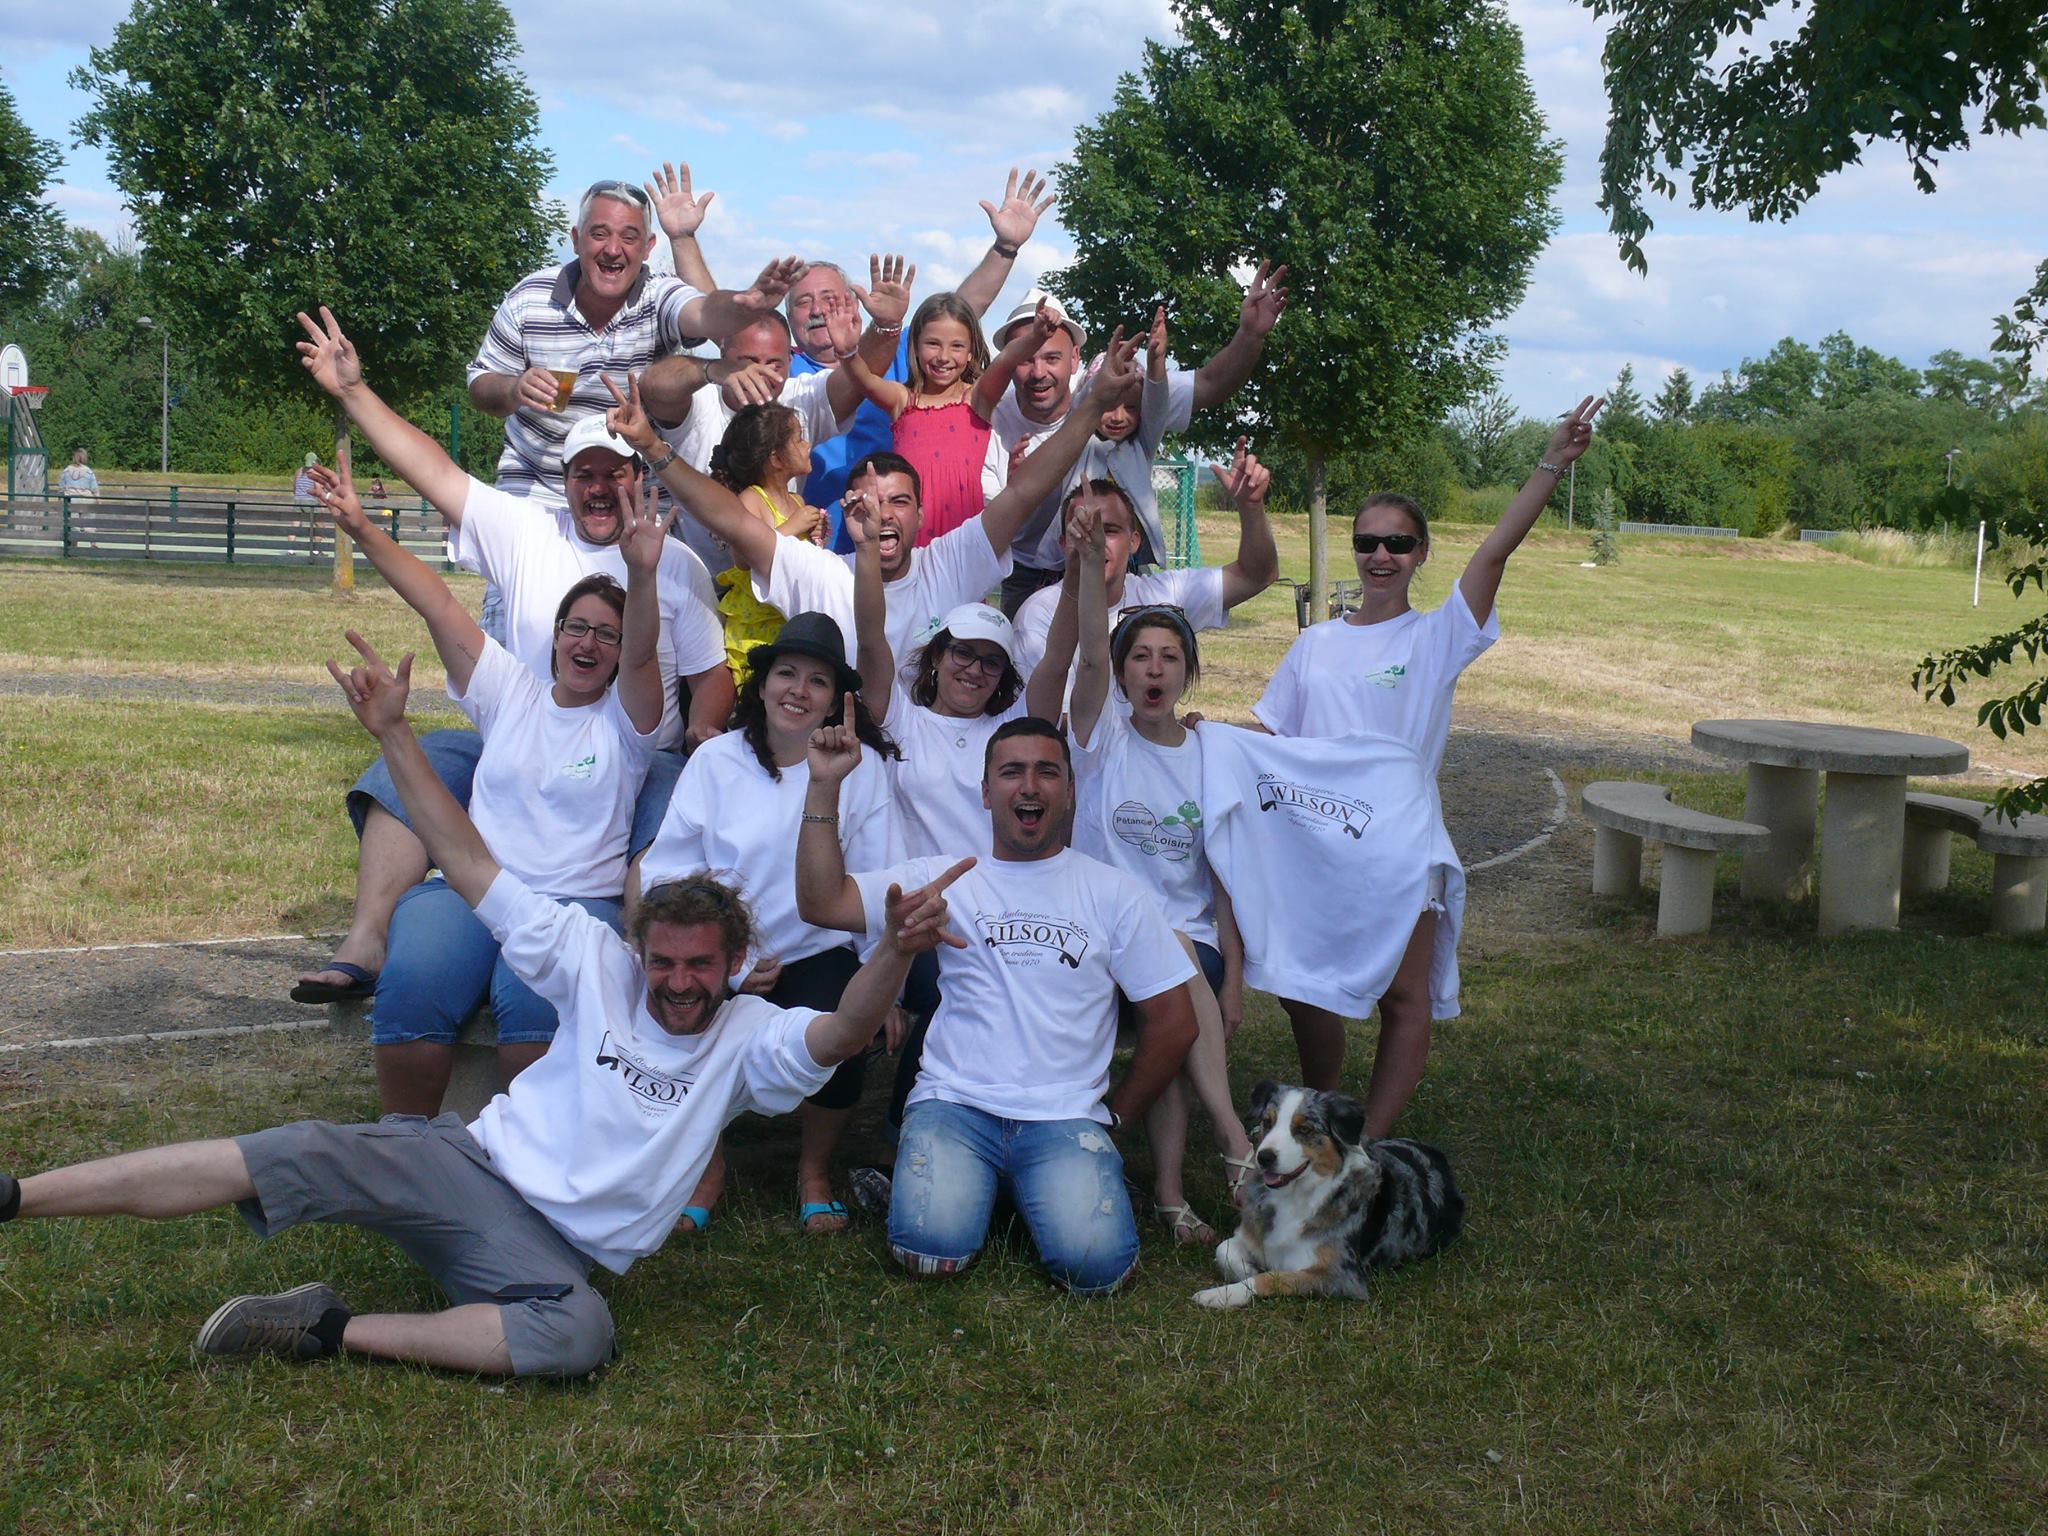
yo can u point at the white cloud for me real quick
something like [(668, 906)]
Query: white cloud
[(632, 146)]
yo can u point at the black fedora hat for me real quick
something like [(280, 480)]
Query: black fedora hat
[(816, 635)]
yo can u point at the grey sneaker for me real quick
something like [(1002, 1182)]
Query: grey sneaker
[(269, 1325), (871, 1189)]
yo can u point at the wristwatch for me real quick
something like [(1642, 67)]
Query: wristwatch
[(656, 466)]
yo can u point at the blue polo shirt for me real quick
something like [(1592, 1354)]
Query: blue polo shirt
[(872, 432)]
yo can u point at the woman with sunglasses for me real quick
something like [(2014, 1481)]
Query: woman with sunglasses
[(563, 759), (1138, 807), (1391, 670)]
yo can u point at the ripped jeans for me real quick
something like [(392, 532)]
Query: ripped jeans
[(1065, 1176)]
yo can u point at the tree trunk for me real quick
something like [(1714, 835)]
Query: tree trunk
[(1318, 536), (344, 556)]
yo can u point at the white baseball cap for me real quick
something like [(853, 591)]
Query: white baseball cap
[(978, 621), (1027, 311), (591, 432)]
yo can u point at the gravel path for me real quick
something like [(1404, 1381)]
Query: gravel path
[(174, 690), (1496, 793)]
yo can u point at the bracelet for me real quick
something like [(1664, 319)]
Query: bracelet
[(656, 466), (1007, 252), (887, 330), (823, 821), (1116, 1121), (1555, 469)]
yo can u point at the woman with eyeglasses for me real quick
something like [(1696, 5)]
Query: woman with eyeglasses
[(1391, 670), (1138, 807), (563, 759)]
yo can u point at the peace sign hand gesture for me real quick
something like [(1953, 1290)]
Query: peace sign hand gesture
[(1574, 434), (1264, 301), (629, 418)]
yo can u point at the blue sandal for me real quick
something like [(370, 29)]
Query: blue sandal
[(700, 1216), (811, 1208)]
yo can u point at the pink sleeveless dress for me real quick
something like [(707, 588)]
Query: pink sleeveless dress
[(948, 444)]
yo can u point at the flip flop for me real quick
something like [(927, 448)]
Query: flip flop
[(811, 1208), (361, 983)]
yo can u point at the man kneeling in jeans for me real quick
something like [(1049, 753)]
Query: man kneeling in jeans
[(1013, 1092), (587, 1157)]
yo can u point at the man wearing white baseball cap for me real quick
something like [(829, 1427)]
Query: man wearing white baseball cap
[(534, 552)]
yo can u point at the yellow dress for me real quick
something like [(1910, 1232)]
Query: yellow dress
[(748, 621)]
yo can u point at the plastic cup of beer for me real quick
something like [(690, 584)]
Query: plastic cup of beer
[(565, 385)]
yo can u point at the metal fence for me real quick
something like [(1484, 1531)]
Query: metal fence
[(240, 532), (1173, 484), (1820, 535), (1684, 530)]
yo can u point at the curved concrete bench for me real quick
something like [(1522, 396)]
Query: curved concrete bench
[(2019, 856), (1624, 813), (473, 1081)]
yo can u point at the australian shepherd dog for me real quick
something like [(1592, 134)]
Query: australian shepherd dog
[(1330, 1205)]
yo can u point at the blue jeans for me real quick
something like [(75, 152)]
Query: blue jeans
[(1065, 1176), (440, 964)]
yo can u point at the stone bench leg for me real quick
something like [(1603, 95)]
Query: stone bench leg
[(473, 1079), (1617, 862), (1925, 868), (1862, 847), (1685, 895), (2019, 894), (1787, 801)]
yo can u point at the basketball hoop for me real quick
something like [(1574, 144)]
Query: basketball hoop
[(31, 395)]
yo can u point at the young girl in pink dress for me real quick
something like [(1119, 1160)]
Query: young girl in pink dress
[(941, 427)]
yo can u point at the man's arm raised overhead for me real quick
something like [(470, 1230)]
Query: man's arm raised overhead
[(750, 539)]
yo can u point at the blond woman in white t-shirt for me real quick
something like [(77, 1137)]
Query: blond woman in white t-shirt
[(1391, 670), (562, 763), (1138, 790)]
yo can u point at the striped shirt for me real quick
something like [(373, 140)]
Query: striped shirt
[(539, 326)]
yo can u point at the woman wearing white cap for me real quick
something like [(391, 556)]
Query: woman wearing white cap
[(1138, 807)]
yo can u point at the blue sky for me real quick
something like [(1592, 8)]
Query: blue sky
[(836, 129)]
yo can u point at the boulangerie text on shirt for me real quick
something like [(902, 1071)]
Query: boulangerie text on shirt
[(1331, 849)]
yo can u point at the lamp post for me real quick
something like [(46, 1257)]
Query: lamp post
[(1948, 475), (164, 451)]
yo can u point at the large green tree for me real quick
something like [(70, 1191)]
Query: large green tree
[(1390, 152), (375, 155), (31, 233)]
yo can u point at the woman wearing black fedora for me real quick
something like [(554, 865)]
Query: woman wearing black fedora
[(737, 810)]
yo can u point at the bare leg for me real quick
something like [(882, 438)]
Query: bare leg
[(1319, 1036), (389, 862), (1404, 1033), (822, 1130), (159, 1182), (711, 1188), (516, 1058), (1167, 1123), (470, 1338), (412, 1077)]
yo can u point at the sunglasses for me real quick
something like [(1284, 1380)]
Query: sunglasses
[(576, 629), (1393, 543), (1174, 609), (624, 189)]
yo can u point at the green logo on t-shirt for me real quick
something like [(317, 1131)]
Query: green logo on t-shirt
[(1170, 837), (1387, 677)]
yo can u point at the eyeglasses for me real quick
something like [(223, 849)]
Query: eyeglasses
[(1394, 543), (624, 189), (968, 659), (576, 629)]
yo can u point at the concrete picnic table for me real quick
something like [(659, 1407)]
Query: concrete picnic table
[(1863, 827)]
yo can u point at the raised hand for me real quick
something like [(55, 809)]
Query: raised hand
[(1247, 480), (337, 493), (643, 533), (1155, 347), (842, 320), (331, 357), (1116, 382), (916, 920), (1016, 216), (1084, 531), (1575, 433), (1019, 452), (776, 279), (629, 418), (1264, 301), (374, 691), (887, 296), (680, 214), (834, 749), (862, 520)]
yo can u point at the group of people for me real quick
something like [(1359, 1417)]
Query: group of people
[(763, 784)]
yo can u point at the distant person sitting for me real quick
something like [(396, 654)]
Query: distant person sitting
[(78, 481)]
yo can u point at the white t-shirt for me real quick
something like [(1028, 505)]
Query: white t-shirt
[(608, 1133), (1164, 407), (1330, 848), (1197, 592), (728, 817), (1139, 809), (1028, 1017), (1394, 678), (554, 789), (704, 429), (955, 568), (937, 781), (529, 550)]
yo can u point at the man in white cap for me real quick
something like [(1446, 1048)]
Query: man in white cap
[(535, 552), (1043, 393)]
